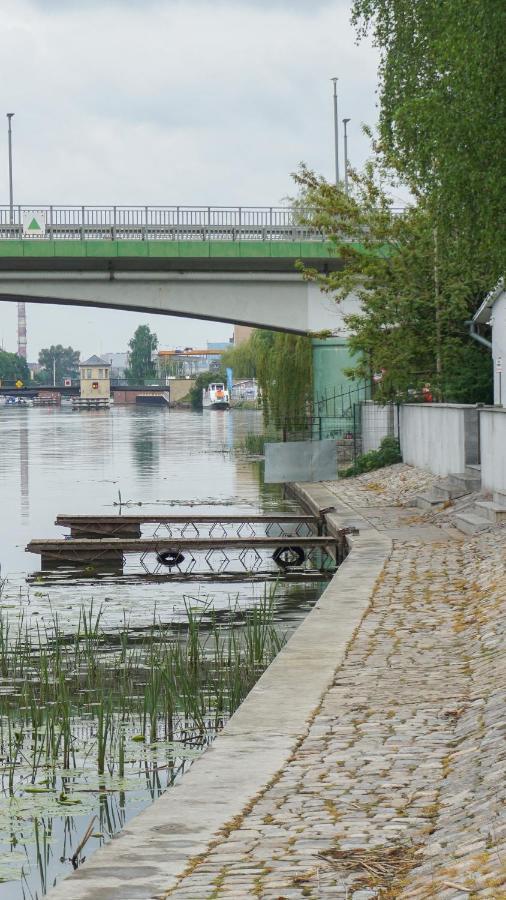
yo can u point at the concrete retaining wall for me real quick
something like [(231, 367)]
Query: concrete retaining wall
[(439, 437), (493, 450), (377, 422)]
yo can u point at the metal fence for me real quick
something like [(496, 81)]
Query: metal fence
[(334, 414), (178, 223), (271, 223)]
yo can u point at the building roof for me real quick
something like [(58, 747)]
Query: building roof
[(191, 352), (485, 311), (95, 361)]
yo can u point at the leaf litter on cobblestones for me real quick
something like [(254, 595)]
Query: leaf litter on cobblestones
[(384, 867)]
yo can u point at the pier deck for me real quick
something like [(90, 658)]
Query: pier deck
[(101, 526), (217, 552)]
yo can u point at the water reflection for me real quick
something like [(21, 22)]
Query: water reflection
[(54, 461), (145, 443), (24, 470)]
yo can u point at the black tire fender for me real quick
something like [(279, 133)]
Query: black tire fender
[(284, 557), (170, 558)]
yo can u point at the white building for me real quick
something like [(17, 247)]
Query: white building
[(492, 312), (245, 390)]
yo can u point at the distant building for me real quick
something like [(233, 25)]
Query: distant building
[(95, 383), (118, 363), (245, 390), (242, 333), (35, 368), (188, 362)]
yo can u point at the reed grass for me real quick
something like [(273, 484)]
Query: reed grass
[(66, 699)]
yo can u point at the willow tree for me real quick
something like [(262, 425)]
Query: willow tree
[(282, 364), (284, 370), (414, 304)]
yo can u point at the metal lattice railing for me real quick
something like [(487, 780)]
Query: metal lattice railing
[(156, 223)]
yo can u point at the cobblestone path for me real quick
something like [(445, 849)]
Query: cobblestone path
[(398, 788)]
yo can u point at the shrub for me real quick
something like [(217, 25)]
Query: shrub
[(389, 452)]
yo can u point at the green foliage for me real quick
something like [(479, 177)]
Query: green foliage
[(414, 300), (141, 367), (282, 365), (387, 454), (202, 381), (253, 444), (13, 368), (284, 371), (58, 362), (241, 360), (468, 374), (443, 116)]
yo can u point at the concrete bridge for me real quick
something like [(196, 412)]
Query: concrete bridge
[(227, 264)]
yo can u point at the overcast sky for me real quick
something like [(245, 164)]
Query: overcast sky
[(163, 102)]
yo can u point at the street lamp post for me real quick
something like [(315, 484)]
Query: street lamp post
[(11, 193), (336, 131), (345, 124)]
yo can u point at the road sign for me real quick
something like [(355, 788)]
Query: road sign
[(498, 364), (67, 382), (34, 223)]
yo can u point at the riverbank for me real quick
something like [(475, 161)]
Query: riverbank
[(370, 755)]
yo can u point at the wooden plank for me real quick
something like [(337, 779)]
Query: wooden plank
[(182, 518), (141, 545)]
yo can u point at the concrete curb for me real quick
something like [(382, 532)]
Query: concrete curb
[(149, 856)]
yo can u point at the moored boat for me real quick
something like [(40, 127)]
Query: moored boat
[(215, 396)]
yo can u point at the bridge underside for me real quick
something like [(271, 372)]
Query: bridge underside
[(233, 283)]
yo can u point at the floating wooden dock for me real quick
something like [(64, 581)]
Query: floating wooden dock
[(80, 551), (291, 541), (130, 525)]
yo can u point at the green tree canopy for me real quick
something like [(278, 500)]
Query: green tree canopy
[(283, 364), (63, 362), (414, 301), (13, 368), (241, 360), (142, 345), (443, 116)]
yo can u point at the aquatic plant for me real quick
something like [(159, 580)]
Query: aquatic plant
[(89, 694)]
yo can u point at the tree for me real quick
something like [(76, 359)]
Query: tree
[(58, 362), (13, 368), (283, 364), (443, 117), (202, 381), (241, 360), (142, 346), (414, 302)]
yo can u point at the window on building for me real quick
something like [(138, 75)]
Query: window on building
[(88, 373), (100, 373)]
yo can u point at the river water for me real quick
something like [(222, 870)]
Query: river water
[(52, 461)]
